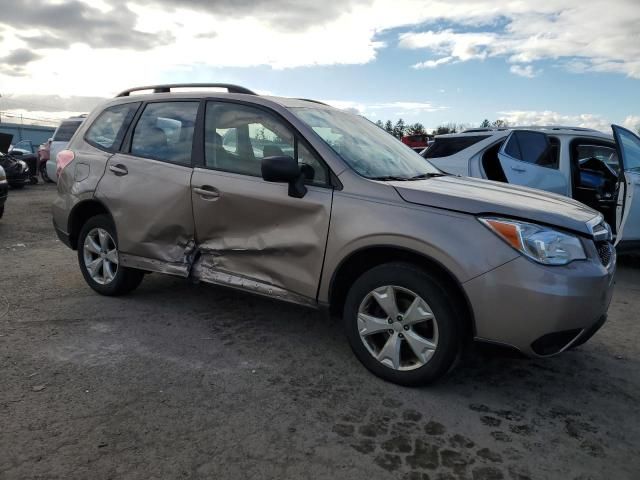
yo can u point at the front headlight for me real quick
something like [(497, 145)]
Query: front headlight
[(23, 165), (542, 244)]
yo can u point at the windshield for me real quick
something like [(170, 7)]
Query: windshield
[(365, 147)]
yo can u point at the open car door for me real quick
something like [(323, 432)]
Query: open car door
[(528, 158), (628, 208)]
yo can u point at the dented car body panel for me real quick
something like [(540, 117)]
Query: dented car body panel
[(252, 228), (188, 217), (150, 206)]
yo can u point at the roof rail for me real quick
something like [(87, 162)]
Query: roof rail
[(167, 88), (313, 101)]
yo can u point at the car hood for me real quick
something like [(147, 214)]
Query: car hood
[(476, 196)]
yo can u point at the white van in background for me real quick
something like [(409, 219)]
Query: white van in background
[(59, 142)]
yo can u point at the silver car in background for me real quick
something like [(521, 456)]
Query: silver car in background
[(301, 202), (59, 142), (597, 169)]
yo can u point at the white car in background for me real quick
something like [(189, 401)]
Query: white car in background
[(59, 142), (597, 169)]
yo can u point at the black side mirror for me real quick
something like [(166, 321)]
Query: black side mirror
[(284, 169)]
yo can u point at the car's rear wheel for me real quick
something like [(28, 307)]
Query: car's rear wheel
[(402, 325), (99, 259)]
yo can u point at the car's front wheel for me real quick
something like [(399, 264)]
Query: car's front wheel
[(402, 324), (99, 259)]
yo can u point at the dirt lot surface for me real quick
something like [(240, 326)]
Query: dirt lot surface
[(194, 381)]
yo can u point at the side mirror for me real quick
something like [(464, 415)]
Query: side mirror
[(284, 169)]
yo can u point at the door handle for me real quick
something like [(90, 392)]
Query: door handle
[(119, 169), (519, 169), (207, 192)]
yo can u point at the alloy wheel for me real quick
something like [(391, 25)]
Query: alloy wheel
[(398, 327), (100, 256)]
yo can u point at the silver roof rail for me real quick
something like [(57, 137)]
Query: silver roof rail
[(167, 88)]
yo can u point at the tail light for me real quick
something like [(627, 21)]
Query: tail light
[(64, 158)]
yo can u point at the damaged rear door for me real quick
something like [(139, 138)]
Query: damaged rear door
[(251, 234), (147, 189)]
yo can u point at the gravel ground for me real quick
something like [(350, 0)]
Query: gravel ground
[(195, 381)]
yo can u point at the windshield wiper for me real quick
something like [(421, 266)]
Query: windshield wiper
[(388, 178), (427, 175)]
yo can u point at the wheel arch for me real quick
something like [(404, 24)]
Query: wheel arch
[(365, 258), (79, 215)]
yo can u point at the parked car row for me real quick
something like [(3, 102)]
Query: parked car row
[(17, 172), (596, 169), (305, 203)]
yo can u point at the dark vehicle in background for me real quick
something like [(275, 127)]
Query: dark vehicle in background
[(4, 190), (26, 151), (59, 142), (16, 169), (417, 142)]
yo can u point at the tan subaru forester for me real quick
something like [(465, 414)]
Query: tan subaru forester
[(299, 201)]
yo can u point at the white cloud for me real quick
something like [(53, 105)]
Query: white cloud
[(548, 117), (632, 122), (395, 108), (524, 71), (434, 63), (164, 37), (526, 32)]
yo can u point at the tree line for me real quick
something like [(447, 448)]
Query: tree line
[(399, 129)]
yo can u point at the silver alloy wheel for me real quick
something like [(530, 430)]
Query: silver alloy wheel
[(398, 327), (100, 256)]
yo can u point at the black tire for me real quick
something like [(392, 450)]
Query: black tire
[(427, 286), (125, 279), (44, 175), (1, 210)]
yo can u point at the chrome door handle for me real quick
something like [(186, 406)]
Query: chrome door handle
[(118, 170), (207, 192), (519, 169)]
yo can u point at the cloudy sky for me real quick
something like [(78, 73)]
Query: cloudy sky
[(571, 62)]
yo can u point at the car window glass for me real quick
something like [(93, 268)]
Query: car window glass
[(165, 132), (315, 171), (238, 137), (66, 130), (630, 150), (443, 147), (109, 127), (606, 154), (512, 148)]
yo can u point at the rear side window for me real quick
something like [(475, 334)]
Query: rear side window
[(444, 147), (108, 129), (165, 132), (531, 147), (66, 130)]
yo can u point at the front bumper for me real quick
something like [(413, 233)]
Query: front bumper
[(538, 309)]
